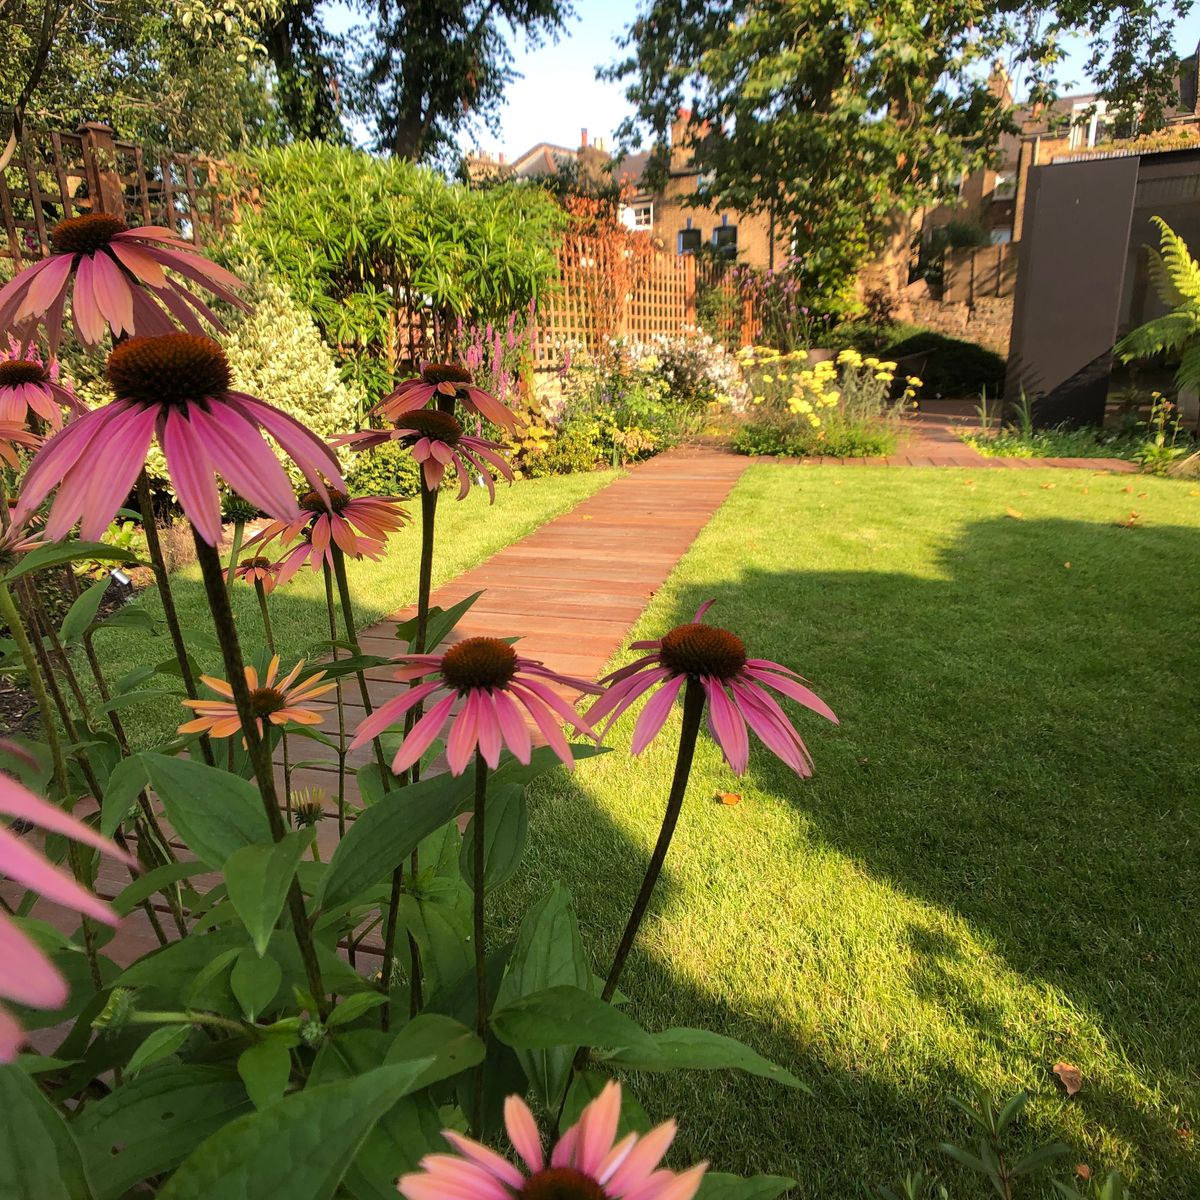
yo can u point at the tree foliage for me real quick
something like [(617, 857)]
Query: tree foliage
[(414, 72), (832, 116), (180, 73)]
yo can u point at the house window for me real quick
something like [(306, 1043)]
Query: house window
[(1088, 128), (724, 240), (999, 237), (689, 241), (643, 216), (1006, 185)]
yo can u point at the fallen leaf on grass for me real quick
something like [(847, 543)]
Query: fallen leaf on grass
[(1083, 1171), (1012, 512), (1129, 522), (1127, 489), (729, 797), (1143, 495), (1070, 1077), (1049, 485), (1067, 565)]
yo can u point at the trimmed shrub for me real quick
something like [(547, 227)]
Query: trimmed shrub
[(952, 367)]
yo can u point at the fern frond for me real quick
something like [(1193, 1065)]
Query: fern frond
[(1173, 270), (1167, 334), (1188, 375)]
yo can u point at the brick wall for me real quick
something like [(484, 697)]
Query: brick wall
[(988, 321)]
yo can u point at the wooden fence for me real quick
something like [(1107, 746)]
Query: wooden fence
[(606, 289), (982, 272), (54, 175)]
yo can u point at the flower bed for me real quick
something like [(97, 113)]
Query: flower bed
[(844, 407)]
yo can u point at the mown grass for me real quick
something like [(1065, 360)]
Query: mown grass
[(996, 866), (467, 533)]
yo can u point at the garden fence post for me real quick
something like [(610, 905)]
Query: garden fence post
[(689, 290), (100, 166)]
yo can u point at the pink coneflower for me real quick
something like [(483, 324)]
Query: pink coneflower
[(493, 683), (357, 525), (449, 381), (14, 435), (27, 976), (734, 687), (437, 440), (116, 280), (272, 700), (29, 386), (586, 1163), (176, 387), (255, 570)]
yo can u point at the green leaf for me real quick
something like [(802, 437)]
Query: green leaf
[(130, 616), (1040, 1157), (542, 760), (353, 1007), (548, 953), (57, 553), (385, 834), (125, 781), (83, 612), (699, 1050), (450, 1046), (718, 1186), (214, 812), (566, 1016), (439, 624), (162, 1043), (505, 829), (144, 886), (258, 877), (298, 1148), (194, 993), (255, 981), (39, 1157), (265, 1069), (152, 1123)]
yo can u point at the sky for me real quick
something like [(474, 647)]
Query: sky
[(558, 94)]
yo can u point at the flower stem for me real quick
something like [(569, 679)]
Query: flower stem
[(260, 753), (12, 618), (170, 615), (341, 707), (693, 710), (343, 586), (482, 1009), (269, 634), (424, 590), (239, 528)]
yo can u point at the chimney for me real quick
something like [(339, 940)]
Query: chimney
[(502, 158), (583, 139)]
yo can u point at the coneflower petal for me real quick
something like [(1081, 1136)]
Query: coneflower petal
[(727, 726), (512, 727), (113, 296), (29, 978), (421, 737), (652, 718), (390, 712), (192, 474), (25, 866), (464, 734)]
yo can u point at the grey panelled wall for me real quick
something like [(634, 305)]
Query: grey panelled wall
[(1069, 286)]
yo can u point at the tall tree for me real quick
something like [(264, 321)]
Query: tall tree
[(181, 73), (835, 114), (413, 72)]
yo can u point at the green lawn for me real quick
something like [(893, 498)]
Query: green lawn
[(468, 532), (997, 866)]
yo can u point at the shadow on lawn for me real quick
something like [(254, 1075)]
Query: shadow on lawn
[(1018, 747)]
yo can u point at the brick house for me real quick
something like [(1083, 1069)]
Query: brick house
[(675, 227)]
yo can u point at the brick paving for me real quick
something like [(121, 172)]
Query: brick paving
[(573, 588)]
